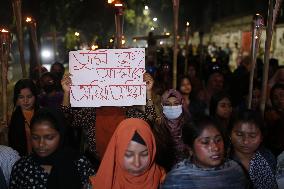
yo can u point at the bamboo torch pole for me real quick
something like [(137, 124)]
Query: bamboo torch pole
[(119, 6), (32, 25), (5, 44), (186, 48), (257, 26), (17, 7), (271, 19), (118, 26), (175, 48)]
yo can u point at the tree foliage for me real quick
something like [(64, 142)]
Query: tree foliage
[(91, 18)]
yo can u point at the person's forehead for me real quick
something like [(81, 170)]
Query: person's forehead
[(185, 80), (224, 100), (172, 98), (209, 131), (246, 127), (25, 91)]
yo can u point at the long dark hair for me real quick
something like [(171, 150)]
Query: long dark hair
[(23, 84), (193, 130), (215, 99), (180, 80)]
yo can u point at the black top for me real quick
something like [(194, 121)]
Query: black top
[(16, 133), (262, 169), (27, 173)]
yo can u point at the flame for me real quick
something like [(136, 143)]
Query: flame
[(4, 31), (118, 5), (94, 47), (28, 19), (77, 34), (168, 33), (187, 23)]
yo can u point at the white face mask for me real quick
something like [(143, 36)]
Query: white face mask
[(172, 112)]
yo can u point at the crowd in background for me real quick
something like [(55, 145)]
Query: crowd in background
[(199, 135)]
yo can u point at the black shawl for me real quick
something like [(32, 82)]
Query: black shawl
[(17, 134), (64, 173)]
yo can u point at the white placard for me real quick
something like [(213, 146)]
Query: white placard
[(107, 77)]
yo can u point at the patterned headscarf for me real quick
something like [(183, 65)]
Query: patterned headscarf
[(175, 125)]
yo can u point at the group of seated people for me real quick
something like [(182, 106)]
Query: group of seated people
[(175, 145)]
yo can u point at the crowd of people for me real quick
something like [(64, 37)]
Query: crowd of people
[(200, 135)]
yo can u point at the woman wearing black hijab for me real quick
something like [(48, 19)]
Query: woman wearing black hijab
[(51, 165)]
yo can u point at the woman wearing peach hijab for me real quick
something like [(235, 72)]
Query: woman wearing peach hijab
[(129, 161)]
